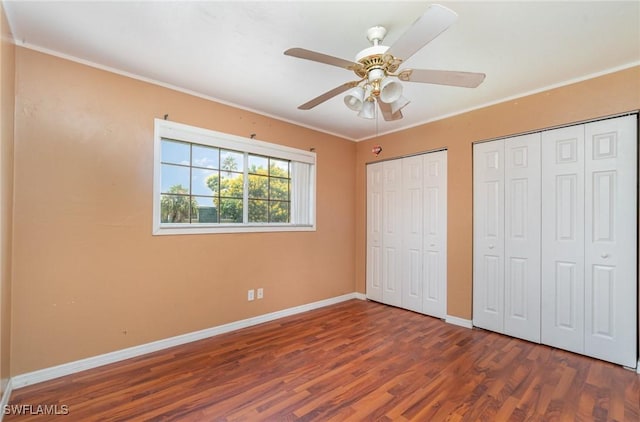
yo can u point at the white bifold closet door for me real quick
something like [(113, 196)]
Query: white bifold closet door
[(506, 272), (589, 229), (488, 235), (555, 238), (374, 232), (384, 232), (406, 232), (413, 233), (563, 258), (434, 245)]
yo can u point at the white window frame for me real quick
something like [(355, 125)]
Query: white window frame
[(304, 220)]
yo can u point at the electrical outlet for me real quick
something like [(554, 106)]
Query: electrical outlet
[(250, 295), (260, 293)]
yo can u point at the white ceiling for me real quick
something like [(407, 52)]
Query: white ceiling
[(232, 51)]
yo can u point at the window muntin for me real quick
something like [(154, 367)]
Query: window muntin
[(223, 183)]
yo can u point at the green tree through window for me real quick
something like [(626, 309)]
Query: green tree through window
[(179, 207), (268, 192)]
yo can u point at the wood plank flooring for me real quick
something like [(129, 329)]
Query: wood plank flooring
[(356, 361)]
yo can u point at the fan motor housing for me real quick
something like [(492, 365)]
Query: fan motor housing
[(375, 58)]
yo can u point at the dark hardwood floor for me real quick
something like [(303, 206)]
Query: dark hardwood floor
[(357, 360)]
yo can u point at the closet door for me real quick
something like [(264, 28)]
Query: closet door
[(412, 217), (434, 298), (406, 233), (488, 235), (522, 237), (374, 232), (610, 244), (392, 232), (563, 249)]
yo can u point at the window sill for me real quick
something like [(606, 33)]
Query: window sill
[(180, 229)]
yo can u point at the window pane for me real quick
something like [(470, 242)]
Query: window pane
[(258, 164), (207, 210), (230, 210), (279, 189), (258, 187), (279, 168), (176, 208), (231, 184), (258, 211), (174, 179), (175, 152), (231, 160), (278, 212), (205, 157), (204, 182)]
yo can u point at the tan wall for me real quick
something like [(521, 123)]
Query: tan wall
[(86, 267), (7, 105), (603, 96)]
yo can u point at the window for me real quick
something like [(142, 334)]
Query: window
[(210, 182)]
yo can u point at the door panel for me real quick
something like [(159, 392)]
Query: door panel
[(392, 232), (374, 232), (564, 301), (610, 248), (522, 237), (412, 217), (563, 238), (434, 297), (516, 294), (603, 308), (488, 235), (433, 292), (492, 271)]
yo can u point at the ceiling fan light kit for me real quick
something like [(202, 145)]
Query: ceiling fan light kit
[(376, 66), (368, 110), (390, 90), (355, 98)]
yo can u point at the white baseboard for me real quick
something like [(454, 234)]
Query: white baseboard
[(360, 296), (466, 323), (6, 395), (638, 367), (46, 374)]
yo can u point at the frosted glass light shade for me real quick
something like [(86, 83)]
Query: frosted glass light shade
[(390, 90), (368, 110), (355, 98)]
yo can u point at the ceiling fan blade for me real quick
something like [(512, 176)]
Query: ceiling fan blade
[(386, 112), (314, 56), (327, 95), (442, 77), (427, 27)]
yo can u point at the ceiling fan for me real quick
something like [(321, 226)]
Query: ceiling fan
[(376, 66)]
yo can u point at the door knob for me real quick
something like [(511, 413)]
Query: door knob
[(491, 246), (605, 255)]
